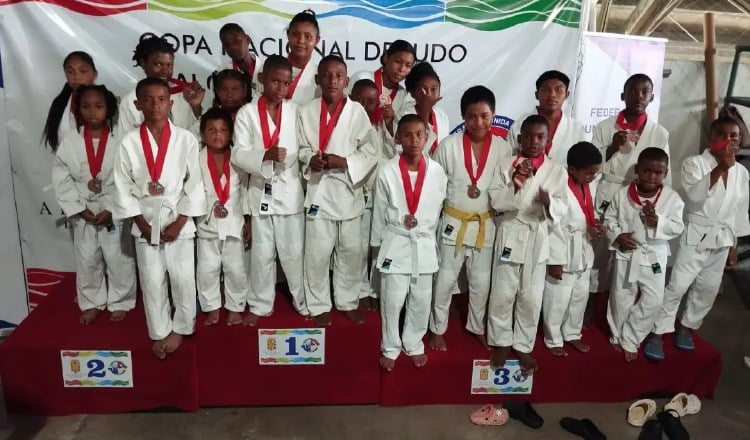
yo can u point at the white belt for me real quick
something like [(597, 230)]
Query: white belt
[(156, 204), (413, 235), (576, 244), (715, 225)]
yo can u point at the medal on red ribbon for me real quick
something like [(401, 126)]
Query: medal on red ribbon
[(222, 192), (528, 165), (327, 125), (269, 139), (636, 125), (295, 81), (473, 190), (95, 158), (433, 122), (250, 67), (649, 208), (384, 99), (412, 193), (585, 201), (178, 85), (155, 166)]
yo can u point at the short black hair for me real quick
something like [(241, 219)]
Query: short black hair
[(151, 44), (419, 71), (306, 16), (151, 81), (400, 46), (653, 153), (231, 27), (274, 62), (476, 94), (723, 120), (534, 120), (411, 117), (638, 77), (237, 75), (330, 59), (364, 83), (584, 154), (215, 113), (550, 75)]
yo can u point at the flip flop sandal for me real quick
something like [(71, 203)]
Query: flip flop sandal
[(683, 340), (684, 404), (654, 349), (491, 417), (640, 411)]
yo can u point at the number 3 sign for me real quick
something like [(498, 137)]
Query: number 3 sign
[(104, 369), (506, 380)]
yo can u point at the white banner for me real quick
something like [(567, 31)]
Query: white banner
[(504, 45), (608, 60)]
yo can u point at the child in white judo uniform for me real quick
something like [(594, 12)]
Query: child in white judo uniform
[(303, 34), (531, 192), (716, 187), (266, 147), (566, 289), (467, 231), (223, 232), (235, 42), (84, 188), (337, 154), (409, 195), (423, 84), (641, 220), (158, 184), (564, 131), (155, 56)]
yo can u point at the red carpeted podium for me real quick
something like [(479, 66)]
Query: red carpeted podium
[(219, 366)]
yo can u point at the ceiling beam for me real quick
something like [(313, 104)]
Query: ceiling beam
[(603, 17), (742, 5), (637, 15), (652, 21)]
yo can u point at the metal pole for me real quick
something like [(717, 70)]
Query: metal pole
[(709, 63)]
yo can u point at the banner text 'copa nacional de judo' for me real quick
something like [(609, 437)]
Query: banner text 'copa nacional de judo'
[(503, 44)]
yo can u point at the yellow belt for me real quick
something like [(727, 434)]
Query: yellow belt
[(465, 218)]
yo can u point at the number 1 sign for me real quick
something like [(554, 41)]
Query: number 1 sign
[(92, 369), (298, 346), (506, 380)]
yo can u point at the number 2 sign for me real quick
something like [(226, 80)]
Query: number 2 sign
[(297, 346), (506, 380), (103, 369)]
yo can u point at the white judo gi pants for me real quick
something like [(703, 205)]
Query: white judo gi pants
[(478, 274), (370, 274), (282, 236), (415, 293), (699, 273), (214, 257), (97, 249), (340, 238), (175, 260), (600, 278), (516, 284), (563, 307), (630, 322)]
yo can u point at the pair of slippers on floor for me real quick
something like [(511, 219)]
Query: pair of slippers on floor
[(640, 414), (522, 411)]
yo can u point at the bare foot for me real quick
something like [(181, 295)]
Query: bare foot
[(630, 356), (387, 364), (580, 345), (483, 341), (158, 349), (419, 360), (616, 347), (558, 351), (250, 319), (172, 342), (499, 356), (528, 364), (212, 318), (323, 319), (234, 318), (88, 316), (117, 315), (437, 342), (355, 316)]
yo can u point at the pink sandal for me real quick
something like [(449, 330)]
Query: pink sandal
[(488, 415)]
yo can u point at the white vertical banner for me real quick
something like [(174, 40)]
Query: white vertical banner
[(608, 60)]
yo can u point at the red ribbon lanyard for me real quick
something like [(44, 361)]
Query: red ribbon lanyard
[(269, 140), (536, 161), (155, 167), (250, 67), (295, 81), (633, 195), (433, 122), (326, 125), (178, 86), (482, 157), (719, 145), (552, 131), (584, 201), (222, 193), (95, 158), (636, 125), (412, 193), (379, 83)]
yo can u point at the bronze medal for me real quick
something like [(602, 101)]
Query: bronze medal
[(95, 186), (155, 188), (220, 211), (410, 221), (473, 192)]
